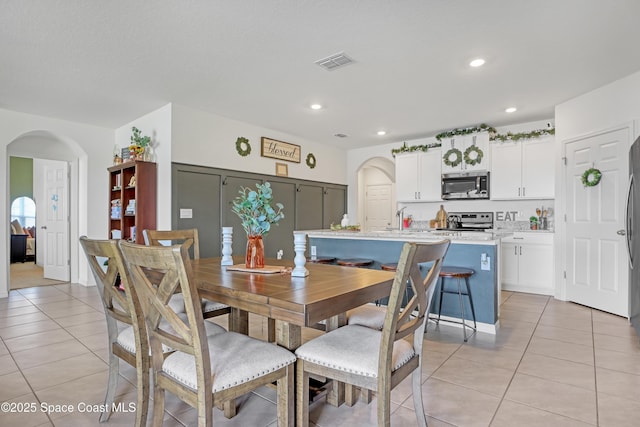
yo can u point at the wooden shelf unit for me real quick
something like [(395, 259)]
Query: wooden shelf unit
[(143, 192)]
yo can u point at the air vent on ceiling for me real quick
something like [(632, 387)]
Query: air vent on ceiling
[(340, 135), (334, 61)]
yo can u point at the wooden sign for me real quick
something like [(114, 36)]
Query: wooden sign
[(280, 150)]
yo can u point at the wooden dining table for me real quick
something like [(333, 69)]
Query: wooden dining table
[(294, 302)]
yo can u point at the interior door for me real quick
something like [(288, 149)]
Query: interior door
[(378, 207), (597, 273), (54, 228)]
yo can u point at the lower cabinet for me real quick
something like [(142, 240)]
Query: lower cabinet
[(527, 263)]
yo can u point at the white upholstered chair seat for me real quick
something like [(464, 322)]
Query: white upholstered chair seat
[(369, 315), (235, 359), (127, 341), (353, 348), (208, 306)]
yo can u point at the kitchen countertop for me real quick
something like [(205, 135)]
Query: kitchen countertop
[(462, 237)]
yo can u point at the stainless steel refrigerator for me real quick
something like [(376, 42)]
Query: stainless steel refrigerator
[(633, 240)]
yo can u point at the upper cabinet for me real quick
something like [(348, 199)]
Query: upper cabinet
[(466, 153), (523, 170), (418, 176)]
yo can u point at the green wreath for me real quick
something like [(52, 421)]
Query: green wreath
[(311, 160), (456, 161), (467, 155), (243, 147), (591, 177)]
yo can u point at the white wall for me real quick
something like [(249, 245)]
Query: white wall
[(615, 104), (93, 147), (205, 139), (157, 125)]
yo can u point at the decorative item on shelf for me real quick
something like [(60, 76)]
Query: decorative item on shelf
[(473, 154), (227, 240), (132, 182), (453, 157), (466, 131), (344, 222), (299, 246), (311, 160), (139, 144), (406, 221), (131, 207), (441, 218), (406, 149), (254, 209), (243, 147), (533, 222), (591, 177), (116, 155)]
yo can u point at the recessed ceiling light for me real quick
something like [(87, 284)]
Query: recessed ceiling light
[(382, 132), (477, 62), (511, 110), (316, 107)]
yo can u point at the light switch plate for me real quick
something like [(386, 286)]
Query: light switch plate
[(485, 264)]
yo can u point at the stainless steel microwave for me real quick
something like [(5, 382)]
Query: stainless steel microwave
[(469, 185)]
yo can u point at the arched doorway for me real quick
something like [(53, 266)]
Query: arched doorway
[(376, 193)]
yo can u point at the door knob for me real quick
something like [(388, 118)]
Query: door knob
[(621, 232), (44, 227)]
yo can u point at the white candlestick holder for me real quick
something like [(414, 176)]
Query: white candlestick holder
[(299, 246), (227, 239)]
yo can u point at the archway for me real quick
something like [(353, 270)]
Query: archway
[(376, 193)]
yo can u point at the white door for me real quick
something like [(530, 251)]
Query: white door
[(378, 207), (597, 273), (54, 227)]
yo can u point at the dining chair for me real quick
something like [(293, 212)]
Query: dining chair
[(372, 359), (202, 371), (189, 238), (129, 344)]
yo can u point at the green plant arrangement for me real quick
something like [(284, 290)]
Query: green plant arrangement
[(138, 143), (522, 135), (591, 177), (311, 160), (406, 149), (465, 131), (473, 155), (253, 207), (452, 158), (243, 147)]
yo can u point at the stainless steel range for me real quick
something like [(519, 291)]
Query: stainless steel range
[(469, 221)]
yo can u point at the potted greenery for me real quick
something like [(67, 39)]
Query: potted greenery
[(139, 144), (533, 222), (254, 209)]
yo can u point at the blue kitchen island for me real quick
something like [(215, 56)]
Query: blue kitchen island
[(467, 249)]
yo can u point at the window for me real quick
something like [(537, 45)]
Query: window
[(24, 210)]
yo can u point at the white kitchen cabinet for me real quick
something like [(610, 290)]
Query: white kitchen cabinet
[(479, 140), (523, 170), (418, 176), (527, 263)]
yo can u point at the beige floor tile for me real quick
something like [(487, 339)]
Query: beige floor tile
[(617, 411), (618, 361), (569, 401), (7, 364), (512, 414), (617, 329), (360, 414), (561, 350), (566, 308), (477, 376), (13, 385), (616, 383), (629, 344), (28, 329), (33, 416), (87, 329), (496, 356), (406, 417), (3, 349), (579, 321), (18, 311), (523, 306), (564, 334), (456, 405), (513, 324), (37, 340), (562, 371), (80, 319), (6, 322), (252, 410), (96, 341), (49, 353), (61, 371), (513, 338), (15, 302), (46, 299), (522, 316), (65, 309)]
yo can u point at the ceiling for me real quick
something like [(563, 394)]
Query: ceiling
[(107, 63)]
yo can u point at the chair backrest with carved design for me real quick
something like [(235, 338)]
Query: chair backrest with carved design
[(188, 237)]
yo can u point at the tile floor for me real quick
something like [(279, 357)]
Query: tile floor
[(551, 364)]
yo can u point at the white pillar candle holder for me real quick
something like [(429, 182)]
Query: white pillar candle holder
[(299, 246), (227, 239)]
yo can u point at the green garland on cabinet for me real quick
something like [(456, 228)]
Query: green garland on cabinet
[(466, 131), (523, 135), (407, 149)]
